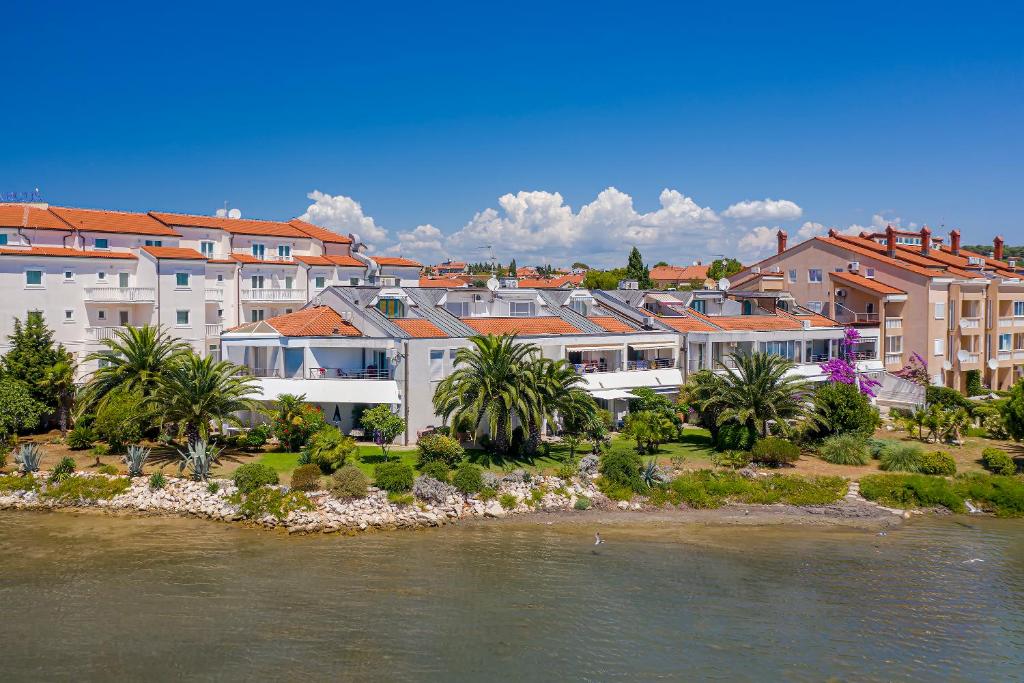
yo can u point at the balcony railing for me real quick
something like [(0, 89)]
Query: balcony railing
[(121, 294), (215, 295), (894, 323), (258, 372), (349, 373), (970, 358), (970, 323), (893, 358), (1018, 354), (272, 294), (214, 329), (847, 316), (101, 333), (1005, 355), (652, 364), (865, 355), (268, 257)]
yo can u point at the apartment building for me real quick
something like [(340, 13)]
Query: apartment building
[(91, 272), (959, 310), (359, 345)]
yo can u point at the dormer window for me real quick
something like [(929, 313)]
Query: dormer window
[(392, 308), (699, 305), (101, 243), (581, 304), (520, 309), (284, 252)]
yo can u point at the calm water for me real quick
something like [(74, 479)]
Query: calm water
[(90, 598)]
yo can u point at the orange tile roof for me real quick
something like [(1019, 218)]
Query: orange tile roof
[(420, 328), (441, 282), (320, 233), (610, 323), (676, 273), (686, 324), (540, 325), (66, 253), (313, 260), (866, 283), (180, 253), (750, 322), (237, 226), (320, 321), (540, 283), (816, 319), (395, 261), (28, 216), (882, 258), (345, 261), (92, 220)]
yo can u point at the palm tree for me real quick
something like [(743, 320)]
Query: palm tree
[(554, 389), (59, 379), (757, 392), (134, 359), (489, 383), (194, 392)]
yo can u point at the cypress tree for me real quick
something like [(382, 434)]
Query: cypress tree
[(31, 355), (636, 270)]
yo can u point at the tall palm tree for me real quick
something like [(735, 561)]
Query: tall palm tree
[(59, 380), (489, 383), (758, 392), (134, 359), (554, 388), (196, 391)]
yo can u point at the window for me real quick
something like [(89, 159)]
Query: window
[(460, 309), (288, 282), (34, 278), (814, 275), (101, 315), (940, 310), (181, 318), (256, 315), (792, 276), (287, 311), (69, 315), (154, 243), (869, 273), (206, 249), (259, 251), (181, 280), (894, 344), (69, 276), (581, 305), (1018, 309), (101, 277), (392, 308), (814, 306), (520, 309), (122, 280), (3, 239), (220, 314), (220, 277), (320, 282), (122, 318), (257, 281), (284, 251), (436, 364), (1006, 342), (698, 305), (748, 308), (940, 347), (101, 243), (354, 281), (786, 349)]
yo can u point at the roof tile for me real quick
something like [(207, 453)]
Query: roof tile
[(419, 327), (92, 220), (867, 283), (66, 253), (179, 253), (28, 216), (528, 326), (319, 321)]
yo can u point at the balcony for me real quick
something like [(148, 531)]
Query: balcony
[(270, 294), (849, 317), (1005, 355), (272, 258), (969, 358), (1018, 354), (349, 373), (970, 323), (893, 358), (214, 296), (1011, 321), (258, 372), (101, 333), (120, 294), (214, 329)]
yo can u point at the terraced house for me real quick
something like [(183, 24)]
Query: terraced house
[(92, 272), (961, 311)]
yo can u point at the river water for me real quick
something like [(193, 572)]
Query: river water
[(89, 597)]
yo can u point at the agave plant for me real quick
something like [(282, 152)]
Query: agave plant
[(651, 473), (135, 458), (28, 457), (200, 457)]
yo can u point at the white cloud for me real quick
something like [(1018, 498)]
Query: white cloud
[(423, 243), (757, 244), (342, 215), (810, 229), (764, 209)]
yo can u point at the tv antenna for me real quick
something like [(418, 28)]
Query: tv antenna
[(491, 259)]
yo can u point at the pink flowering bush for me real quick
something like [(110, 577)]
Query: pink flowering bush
[(843, 369)]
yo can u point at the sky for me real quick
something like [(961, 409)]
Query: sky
[(553, 132)]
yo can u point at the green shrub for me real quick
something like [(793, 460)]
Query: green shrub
[(845, 449), (487, 494), (271, 501), (212, 487), (393, 477), (468, 478), (109, 469), (997, 461), (78, 488), (948, 398), (900, 457), (19, 411), (256, 438), (100, 450), (876, 446), (1000, 495), (911, 491), (10, 483), (842, 409), (731, 459), (121, 419), (306, 478), (774, 452), (157, 481), (436, 469), (253, 475), (349, 482), (795, 490), (994, 427), (81, 437), (63, 469), (399, 498), (328, 449), (582, 503), (28, 457), (937, 462), (620, 468), (974, 387), (439, 448), (733, 436), (508, 501)]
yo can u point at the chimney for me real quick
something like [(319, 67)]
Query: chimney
[(782, 237), (954, 242), (890, 241), (926, 240), (997, 248), (832, 232)]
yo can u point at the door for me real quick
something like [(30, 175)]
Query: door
[(122, 318), (293, 363), (122, 280)]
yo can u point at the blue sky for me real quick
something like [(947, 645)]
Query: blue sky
[(436, 129)]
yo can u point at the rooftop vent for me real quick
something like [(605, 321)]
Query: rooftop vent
[(629, 284)]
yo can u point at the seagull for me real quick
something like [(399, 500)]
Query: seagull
[(597, 538), (972, 561)]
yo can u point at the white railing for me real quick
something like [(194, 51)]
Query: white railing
[(349, 373), (1005, 355), (267, 257), (214, 329), (1005, 321), (970, 323), (272, 294), (864, 355), (258, 372), (120, 294), (894, 323), (893, 358), (215, 295), (971, 358), (845, 315), (101, 333), (1018, 354)]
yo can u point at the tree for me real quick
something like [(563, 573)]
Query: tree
[(32, 352), (295, 421), (135, 358), (554, 389), (197, 391), (489, 383), (513, 270), (916, 419), (842, 408), (661, 264), (724, 267), (122, 418), (646, 399), (328, 449), (649, 428), (19, 411), (636, 270), (603, 279), (580, 265), (384, 425), (699, 390), (757, 392), (59, 382)]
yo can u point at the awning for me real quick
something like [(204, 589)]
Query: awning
[(330, 390), (611, 394), (654, 345), (595, 347), (664, 378)]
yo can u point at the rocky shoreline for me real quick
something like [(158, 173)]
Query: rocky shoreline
[(552, 495)]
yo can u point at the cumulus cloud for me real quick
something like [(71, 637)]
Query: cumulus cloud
[(343, 215), (757, 243), (764, 209), (424, 242)]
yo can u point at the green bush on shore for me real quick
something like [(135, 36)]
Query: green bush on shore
[(845, 449), (393, 477), (937, 462), (900, 457), (709, 489), (468, 478), (911, 491), (1000, 495), (998, 461), (774, 452), (79, 488), (253, 475), (306, 478)]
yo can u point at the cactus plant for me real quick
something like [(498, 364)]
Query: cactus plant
[(28, 457), (135, 458), (199, 459)]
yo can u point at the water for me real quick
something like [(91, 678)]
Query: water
[(88, 597)]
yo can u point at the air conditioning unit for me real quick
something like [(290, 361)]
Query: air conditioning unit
[(346, 316), (755, 269), (478, 297), (840, 293), (648, 321), (853, 266), (1012, 263), (389, 281), (776, 269), (975, 261)]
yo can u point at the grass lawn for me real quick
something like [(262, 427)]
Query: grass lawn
[(366, 458)]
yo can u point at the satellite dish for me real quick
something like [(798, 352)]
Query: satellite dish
[(221, 213), (493, 284), (234, 213), (963, 324), (724, 284), (993, 363), (318, 301), (962, 355), (946, 365)]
